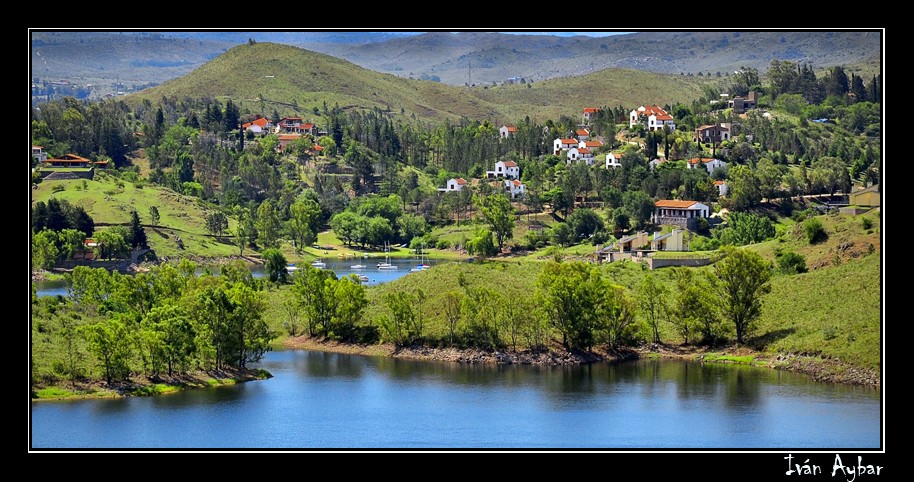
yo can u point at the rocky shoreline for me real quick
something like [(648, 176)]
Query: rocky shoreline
[(821, 370)]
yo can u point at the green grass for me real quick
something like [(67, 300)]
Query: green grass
[(49, 170), (154, 389), (718, 358), (110, 201)]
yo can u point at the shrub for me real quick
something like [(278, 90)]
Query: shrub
[(814, 230), (443, 244), (867, 223), (791, 263), (58, 188)]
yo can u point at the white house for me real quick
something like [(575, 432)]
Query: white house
[(454, 185), (589, 113), (721, 187), (668, 211), (656, 162), (708, 163), (580, 154), (515, 187), (591, 144), (613, 159), (38, 154), (671, 241), (257, 126), (582, 134), (507, 131), (655, 117), (560, 145), (506, 169)]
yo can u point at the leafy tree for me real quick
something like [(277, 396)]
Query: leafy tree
[(562, 234), (482, 245), (744, 188), (639, 207), (44, 249), (615, 312), (402, 326), (170, 336), (566, 292), (346, 225), (620, 221), (742, 279), (275, 265), (137, 232), (316, 292), (154, 215), (411, 226), (69, 242), (111, 342), (111, 244), (745, 228), (452, 302), (585, 222), (499, 214), (216, 223), (350, 305), (268, 225), (303, 222), (653, 297)]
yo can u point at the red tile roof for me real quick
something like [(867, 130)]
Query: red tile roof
[(719, 183), (317, 147), (696, 160), (461, 181), (307, 126), (510, 164), (289, 137), (582, 132), (583, 150), (591, 109), (510, 128), (517, 183), (569, 141), (593, 144), (37, 147), (67, 158), (667, 203)]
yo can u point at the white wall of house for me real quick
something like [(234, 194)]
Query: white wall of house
[(453, 185), (612, 160), (722, 189), (504, 132), (710, 166)]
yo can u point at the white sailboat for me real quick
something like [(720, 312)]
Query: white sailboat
[(386, 264), (317, 263), (422, 266)]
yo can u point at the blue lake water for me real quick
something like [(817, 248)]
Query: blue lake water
[(326, 400)]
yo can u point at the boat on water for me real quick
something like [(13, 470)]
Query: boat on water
[(422, 266), (363, 278), (291, 267), (385, 265), (358, 266), (318, 264)]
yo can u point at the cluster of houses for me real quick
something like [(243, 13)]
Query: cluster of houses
[(65, 161), (505, 176), (288, 129)]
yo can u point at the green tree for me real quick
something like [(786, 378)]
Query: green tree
[(154, 215), (566, 292), (111, 244), (112, 343), (499, 214), (346, 225), (137, 232), (304, 216), (745, 228), (615, 312), (653, 298), (639, 207), (268, 225), (350, 306), (275, 265), (316, 293), (70, 241), (402, 326), (44, 249), (814, 230), (744, 189), (791, 263), (170, 336), (452, 303), (585, 222), (742, 279), (562, 234), (482, 245)]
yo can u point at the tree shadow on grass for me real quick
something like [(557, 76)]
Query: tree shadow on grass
[(761, 342)]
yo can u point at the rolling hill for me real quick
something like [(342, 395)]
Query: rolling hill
[(265, 76)]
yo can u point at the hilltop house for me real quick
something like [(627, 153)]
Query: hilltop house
[(722, 188), (582, 134), (708, 134), (652, 117), (589, 113), (741, 104), (614, 159), (580, 154), (295, 125), (560, 145), (67, 160), (708, 163), (507, 131), (515, 188), (869, 197), (506, 169), (258, 126), (671, 241), (38, 154), (679, 213), (454, 185), (591, 144)]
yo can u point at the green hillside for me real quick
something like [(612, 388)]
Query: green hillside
[(267, 76), (110, 201)]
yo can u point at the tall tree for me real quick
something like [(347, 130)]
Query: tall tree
[(268, 225), (137, 232), (653, 304), (499, 214), (742, 279), (304, 216)]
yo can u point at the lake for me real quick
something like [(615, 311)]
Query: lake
[(327, 400)]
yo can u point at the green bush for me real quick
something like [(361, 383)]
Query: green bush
[(791, 263), (443, 244), (58, 188), (814, 230), (867, 223)]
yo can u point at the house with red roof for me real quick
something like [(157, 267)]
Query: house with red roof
[(652, 117), (589, 113), (711, 133), (582, 134), (507, 131), (506, 169), (707, 162), (680, 213), (67, 160), (722, 187), (515, 188), (454, 185), (560, 145), (258, 126), (614, 159), (579, 154), (591, 144)]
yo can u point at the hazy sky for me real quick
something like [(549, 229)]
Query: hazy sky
[(570, 34)]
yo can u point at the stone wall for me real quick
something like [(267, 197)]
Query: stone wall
[(655, 263)]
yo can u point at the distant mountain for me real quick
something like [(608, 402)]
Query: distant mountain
[(457, 58), (292, 38), (131, 58), (268, 76)]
